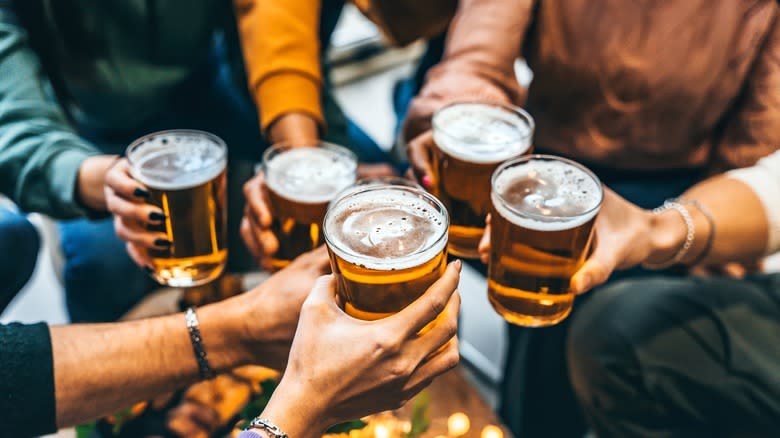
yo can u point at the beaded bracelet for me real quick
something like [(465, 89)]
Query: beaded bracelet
[(193, 327), (690, 235)]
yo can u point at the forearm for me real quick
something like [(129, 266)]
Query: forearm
[(740, 225), (295, 128), (102, 368), (483, 42)]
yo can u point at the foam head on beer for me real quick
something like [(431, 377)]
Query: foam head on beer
[(177, 160), (387, 245), (386, 229), (481, 133), (310, 175), (547, 195)]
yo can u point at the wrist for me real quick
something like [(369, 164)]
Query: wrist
[(295, 410), (667, 235), (295, 128), (91, 181), (222, 328)]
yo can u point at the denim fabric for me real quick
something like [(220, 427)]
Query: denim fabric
[(19, 245)]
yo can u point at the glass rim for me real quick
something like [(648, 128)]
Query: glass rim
[(516, 110), (420, 192), (140, 141), (281, 147), (526, 158)]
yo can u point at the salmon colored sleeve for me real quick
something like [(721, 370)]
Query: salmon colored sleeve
[(752, 131), (280, 42)]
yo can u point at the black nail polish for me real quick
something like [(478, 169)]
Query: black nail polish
[(156, 217), (163, 243), (148, 270), (140, 193)]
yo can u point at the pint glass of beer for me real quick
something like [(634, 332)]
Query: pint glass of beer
[(301, 181), (472, 139), (387, 245), (543, 210), (185, 173)]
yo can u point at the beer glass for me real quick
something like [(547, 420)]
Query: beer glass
[(543, 210), (387, 244), (300, 183), (472, 139), (184, 171)]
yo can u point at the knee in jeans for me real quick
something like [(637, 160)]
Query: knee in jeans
[(601, 347)]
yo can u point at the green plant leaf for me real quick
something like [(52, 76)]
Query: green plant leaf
[(420, 419), (86, 430), (346, 427)]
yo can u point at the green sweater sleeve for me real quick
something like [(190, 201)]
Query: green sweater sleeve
[(40, 154)]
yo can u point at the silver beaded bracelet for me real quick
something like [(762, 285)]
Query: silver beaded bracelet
[(268, 427), (690, 235)]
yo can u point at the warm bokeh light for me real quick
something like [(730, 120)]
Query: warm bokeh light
[(492, 432), (458, 424), (380, 431)]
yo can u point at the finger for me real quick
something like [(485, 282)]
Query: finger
[(123, 184), (265, 238), (249, 239), (143, 213), (139, 256), (425, 309), (443, 361), (419, 151), (139, 236), (441, 331), (596, 269), (323, 292), (484, 242), (257, 200)]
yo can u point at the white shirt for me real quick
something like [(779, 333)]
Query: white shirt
[(764, 180)]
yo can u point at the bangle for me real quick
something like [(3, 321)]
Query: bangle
[(690, 235), (710, 220), (193, 327), (264, 425)]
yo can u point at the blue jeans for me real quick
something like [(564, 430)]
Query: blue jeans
[(19, 245)]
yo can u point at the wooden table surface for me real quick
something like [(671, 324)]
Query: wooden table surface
[(450, 393)]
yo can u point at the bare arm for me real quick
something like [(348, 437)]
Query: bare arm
[(102, 368)]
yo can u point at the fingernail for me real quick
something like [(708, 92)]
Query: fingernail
[(156, 217), (426, 181), (148, 270), (163, 242), (458, 264), (140, 193)]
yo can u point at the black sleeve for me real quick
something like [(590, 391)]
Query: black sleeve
[(26, 381)]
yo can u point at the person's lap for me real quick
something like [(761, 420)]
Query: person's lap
[(679, 357), (19, 245)]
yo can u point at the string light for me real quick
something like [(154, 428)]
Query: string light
[(492, 431), (458, 424)]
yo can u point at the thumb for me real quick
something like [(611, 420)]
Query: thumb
[(484, 242), (419, 151), (323, 291)]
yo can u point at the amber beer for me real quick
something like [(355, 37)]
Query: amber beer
[(387, 245), (301, 182), (543, 210), (184, 171), (472, 139)]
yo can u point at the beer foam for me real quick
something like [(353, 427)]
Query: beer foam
[(389, 228), (310, 175), (177, 161), (481, 133), (546, 195)]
